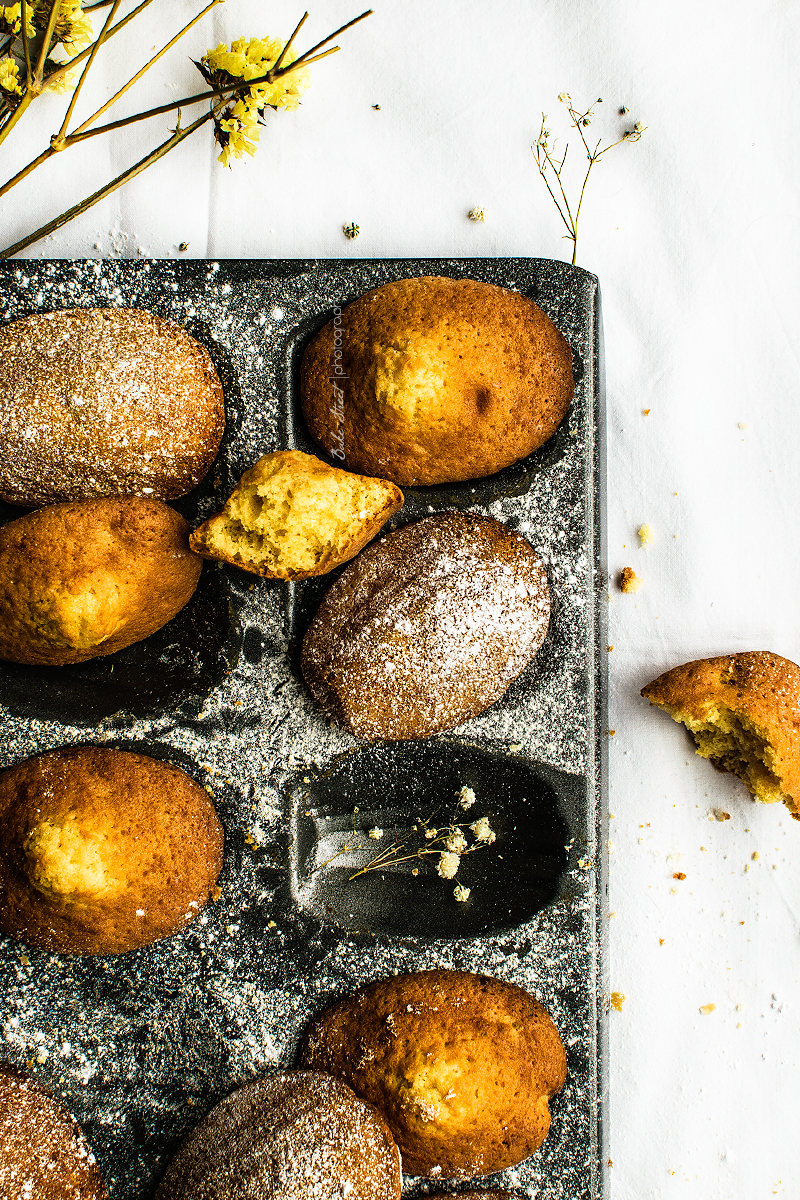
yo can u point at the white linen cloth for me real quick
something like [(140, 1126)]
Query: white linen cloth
[(694, 234)]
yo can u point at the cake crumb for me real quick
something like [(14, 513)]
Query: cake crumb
[(629, 581), (616, 1001), (646, 412), (705, 1010), (646, 534), (679, 875), (477, 214), (719, 814)]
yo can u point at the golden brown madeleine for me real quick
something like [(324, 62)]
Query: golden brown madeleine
[(462, 1067), (104, 402), (102, 851), (435, 380), (427, 627), (290, 1136), (292, 516), (43, 1154), (87, 578), (743, 711)]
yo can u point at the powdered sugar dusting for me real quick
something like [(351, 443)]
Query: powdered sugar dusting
[(141, 1046)]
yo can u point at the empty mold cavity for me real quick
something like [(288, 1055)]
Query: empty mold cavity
[(369, 833)]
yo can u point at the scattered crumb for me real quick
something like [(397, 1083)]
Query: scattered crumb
[(351, 231), (216, 892), (661, 941), (646, 534), (706, 1009), (184, 246), (719, 814), (629, 581), (377, 107), (477, 214), (461, 893), (755, 856), (609, 648), (646, 412), (616, 1001), (679, 875), (743, 424)]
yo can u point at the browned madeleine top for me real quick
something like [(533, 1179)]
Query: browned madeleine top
[(43, 1153), (89, 577), (435, 380), (103, 402), (102, 850), (462, 1066)]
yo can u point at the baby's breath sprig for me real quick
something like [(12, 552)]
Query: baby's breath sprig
[(551, 167), (448, 844), (244, 81)]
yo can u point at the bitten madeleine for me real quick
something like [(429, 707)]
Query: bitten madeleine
[(289, 1136), (43, 1153), (462, 1067), (87, 578), (104, 402), (292, 516), (427, 627), (102, 851), (435, 380), (743, 711)]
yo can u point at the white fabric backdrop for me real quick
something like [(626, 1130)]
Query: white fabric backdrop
[(694, 234)]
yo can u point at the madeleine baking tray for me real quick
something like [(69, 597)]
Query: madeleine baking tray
[(142, 1045)]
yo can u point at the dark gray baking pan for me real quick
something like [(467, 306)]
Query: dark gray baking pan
[(140, 1046)]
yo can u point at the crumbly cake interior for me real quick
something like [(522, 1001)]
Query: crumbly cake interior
[(276, 525), (734, 744)]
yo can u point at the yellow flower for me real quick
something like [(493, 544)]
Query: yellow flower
[(238, 132), (254, 58), (11, 19), (65, 83), (73, 29), (9, 77)]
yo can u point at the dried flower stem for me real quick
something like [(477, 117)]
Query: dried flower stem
[(59, 142), (178, 136), (551, 166)]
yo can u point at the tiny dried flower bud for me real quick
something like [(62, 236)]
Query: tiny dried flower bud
[(483, 831), (564, 97), (461, 893), (376, 834), (639, 127), (430, 833), (466, 798), (448, 864), (456, 842), (477, 214), (351, 231)]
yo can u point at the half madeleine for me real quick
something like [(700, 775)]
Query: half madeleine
[(292, 517)]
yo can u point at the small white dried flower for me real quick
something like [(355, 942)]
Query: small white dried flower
[(430, 833), (564, 98), (483, 831), (466, 798), (455, 842), (477, 214), (461, 893), (639, 127), (351, 231), (376, 834), (448, 864)]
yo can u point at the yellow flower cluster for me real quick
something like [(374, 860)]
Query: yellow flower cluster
[(9, 77), (238, 130), (250, 60), (11, 19), (73, 29)]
